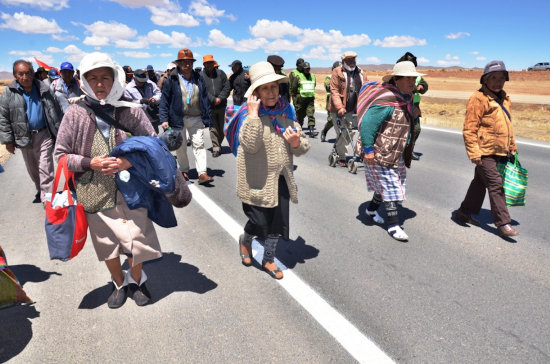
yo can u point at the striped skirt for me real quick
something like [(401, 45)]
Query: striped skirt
[(390, 183)]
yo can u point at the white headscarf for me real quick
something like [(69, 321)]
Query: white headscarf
[(95, 60)]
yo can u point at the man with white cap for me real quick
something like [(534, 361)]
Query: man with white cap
[(345, 84), (145, 92)]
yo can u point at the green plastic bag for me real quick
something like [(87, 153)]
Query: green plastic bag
[(514, 181)]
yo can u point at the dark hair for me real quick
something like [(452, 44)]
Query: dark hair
[(394, 78), (23, 61)]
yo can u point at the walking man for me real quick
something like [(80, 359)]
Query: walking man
[(65, 87), (29, 120), (184, 105), (239, 82), (302, 90)]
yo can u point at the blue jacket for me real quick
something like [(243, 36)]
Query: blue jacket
[(151, 162), (171, 102)]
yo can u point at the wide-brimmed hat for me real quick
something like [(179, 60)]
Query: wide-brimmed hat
[(208, 58), (494, 66), (404, 69), (262, 73)]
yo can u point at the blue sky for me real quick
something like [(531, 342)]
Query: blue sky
[(141, 32)]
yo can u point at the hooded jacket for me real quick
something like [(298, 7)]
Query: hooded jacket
[(487, 128), (171, 102), (14, 125)]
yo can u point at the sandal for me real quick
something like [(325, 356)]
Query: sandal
[(273, 273), (246, 259)]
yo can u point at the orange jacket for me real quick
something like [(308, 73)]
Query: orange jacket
[(487, 129)]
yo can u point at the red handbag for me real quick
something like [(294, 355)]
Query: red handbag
[(66, 224)]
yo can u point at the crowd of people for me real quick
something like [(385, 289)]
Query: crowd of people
[(85, 113)]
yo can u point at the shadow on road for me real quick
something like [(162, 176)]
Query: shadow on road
[(404, 214), (485, 219), (31, 273), (164, 276), (291, 252), (15, 330)]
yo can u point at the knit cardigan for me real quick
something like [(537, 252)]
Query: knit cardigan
[(262, 156)]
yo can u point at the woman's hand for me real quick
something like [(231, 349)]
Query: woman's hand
[(109, 166), (253, 103), (369, 158), (292, 137)]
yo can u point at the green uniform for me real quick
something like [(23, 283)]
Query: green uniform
[(329, 124), (302, 90)]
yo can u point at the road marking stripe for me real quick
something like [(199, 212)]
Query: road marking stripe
[(353, 341), (459, 132)]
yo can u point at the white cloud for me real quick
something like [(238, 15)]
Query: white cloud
[(422, 60), (400, 41), (168, 16), (274, 29), (474, 52), (30, 54), (140, 43), (113, 30), (450, 60), (247, 45), (158, 37), (95, 41), (30, 24), (217, 39), (166, 55), (42, 4), (319, 53), (181, 40), (283, 45), (334, 40), (139, 3), (457, 35), (210, 14), (64, 38), (481, 58), (374, 60), (134, 54)]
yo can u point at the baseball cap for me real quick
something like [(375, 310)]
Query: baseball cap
[(66, 66), (52, 73), (235, 63), (276, 61), (306, 65), (150, 68), (140, 75), (494, 66)]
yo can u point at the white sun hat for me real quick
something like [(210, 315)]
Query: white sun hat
[(404, 69), (262, 73)]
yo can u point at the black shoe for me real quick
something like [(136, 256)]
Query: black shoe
[(37, 198), (464, 218), (323, 136), (140, 294), (117, 297), (415, 156), (312, 132)]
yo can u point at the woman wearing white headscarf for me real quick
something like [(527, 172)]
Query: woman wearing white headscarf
[(89, 131)]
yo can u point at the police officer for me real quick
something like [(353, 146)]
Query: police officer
[(302, 90)]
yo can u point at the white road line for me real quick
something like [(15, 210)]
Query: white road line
[(459, 132), (353, 341)]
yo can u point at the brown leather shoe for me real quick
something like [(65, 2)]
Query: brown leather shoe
[(507, 231), (465, 218), (204, 178), (185, 176)]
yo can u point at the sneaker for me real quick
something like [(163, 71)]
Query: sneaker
[(117, 297), (140, 294), (398, 234), (507, 230), (415, 156)]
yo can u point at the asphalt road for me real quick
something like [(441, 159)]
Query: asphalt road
[(452, 294)]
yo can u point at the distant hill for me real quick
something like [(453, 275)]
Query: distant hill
[(386, 68), (6, 76)]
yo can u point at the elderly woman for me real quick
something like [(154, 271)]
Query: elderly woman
[(386, 126), (88, 133), (269, 138), (488, 137)]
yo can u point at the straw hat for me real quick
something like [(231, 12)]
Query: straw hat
[(404, 69), (262, 73)]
